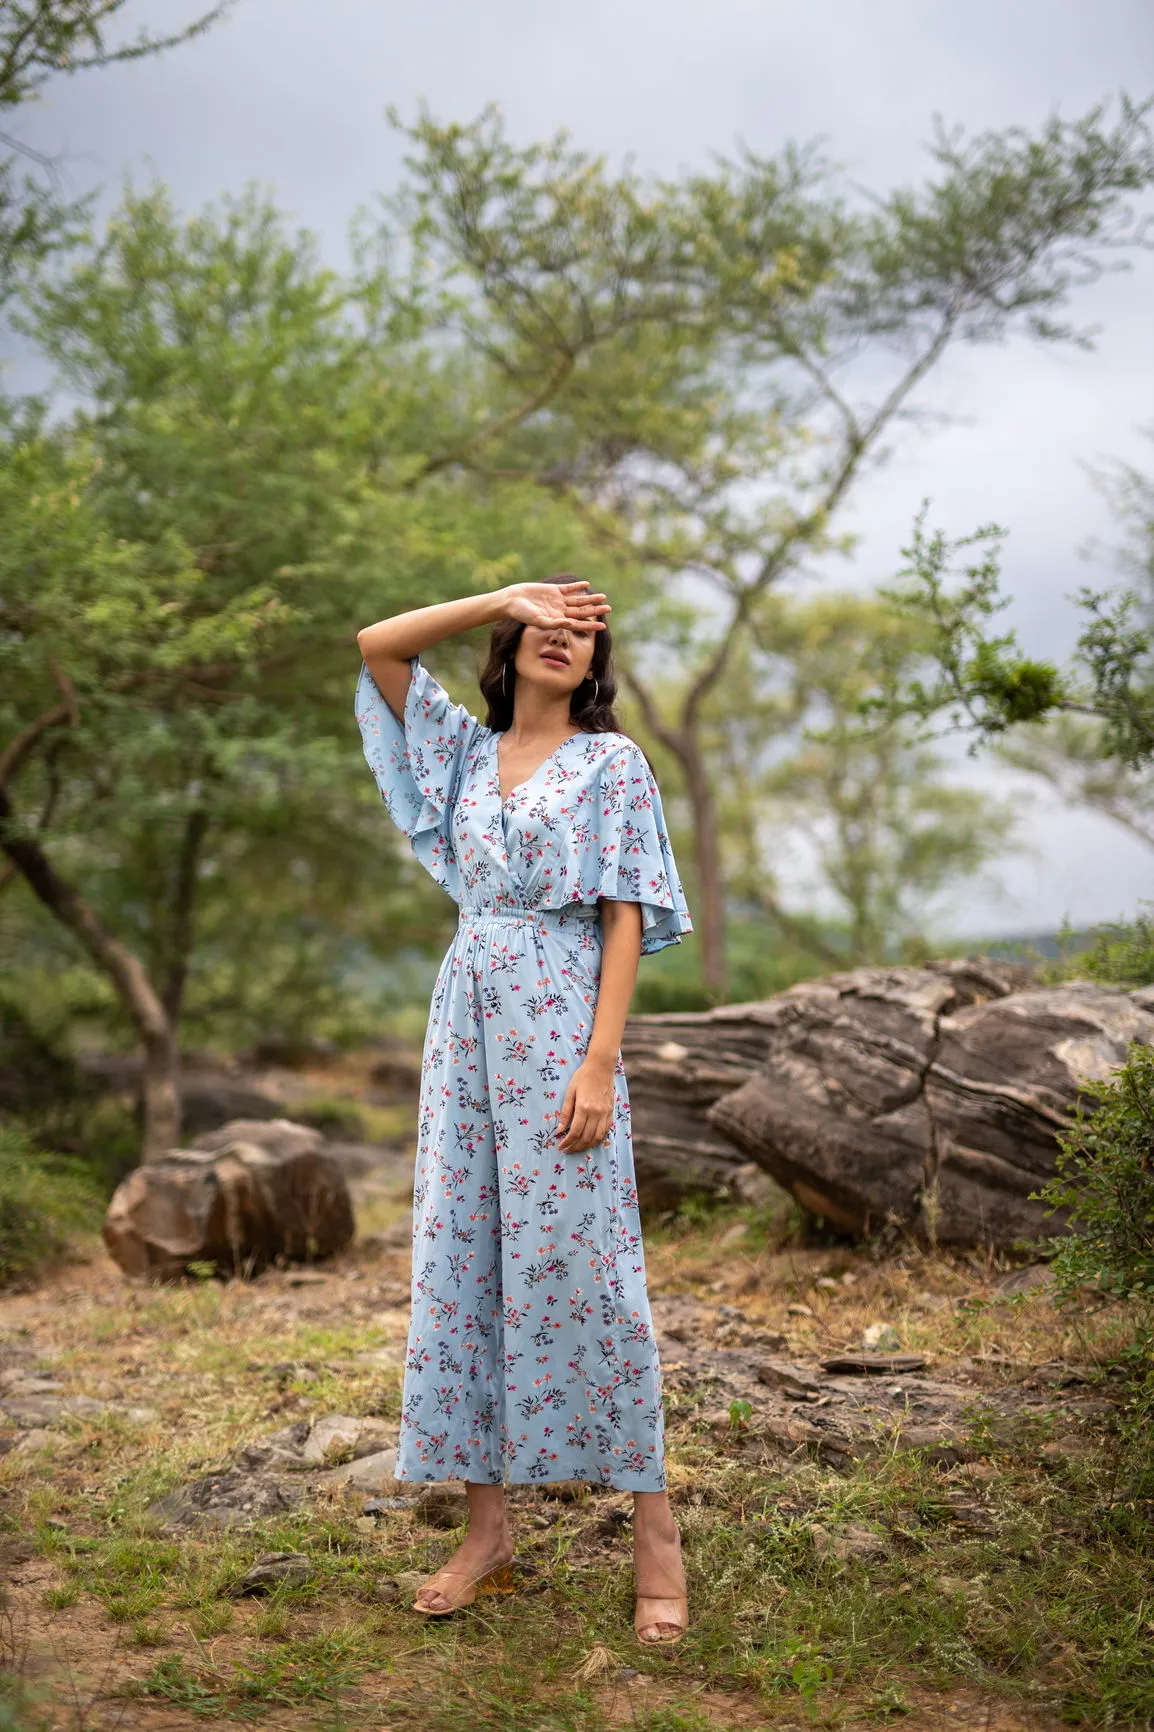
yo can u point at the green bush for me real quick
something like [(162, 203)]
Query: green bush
[(1123, 954), (1105, 1177), (44, 1202), (1118, 954)]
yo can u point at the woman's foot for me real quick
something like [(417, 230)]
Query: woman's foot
[(662, 1611), (479, 1555)]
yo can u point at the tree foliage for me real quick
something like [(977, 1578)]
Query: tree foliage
[(982, 682), (695, 363), (889, 828)]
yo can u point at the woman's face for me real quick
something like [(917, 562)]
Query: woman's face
[(558, 657)]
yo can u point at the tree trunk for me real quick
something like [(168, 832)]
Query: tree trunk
[(181, 926), (160, 1096)]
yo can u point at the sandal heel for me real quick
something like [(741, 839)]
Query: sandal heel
[(498, 1581)]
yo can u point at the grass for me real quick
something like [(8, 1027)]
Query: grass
[(46, 1202), (1040, 1603)]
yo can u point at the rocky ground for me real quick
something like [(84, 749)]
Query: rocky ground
[(893, 1478)]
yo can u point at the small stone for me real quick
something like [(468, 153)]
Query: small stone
[(785, 1378), (342, 1433), (749, 1184), (33, 1441), (852, 1541), (373, 1473), (881, 1338), (273, 1570), (799, 1311), (827, 1284), (365, 1525), (28, 1383)]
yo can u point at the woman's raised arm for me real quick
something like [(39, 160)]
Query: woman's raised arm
[(388, 647)]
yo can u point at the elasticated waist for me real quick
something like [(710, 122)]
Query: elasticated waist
[(558, 919)]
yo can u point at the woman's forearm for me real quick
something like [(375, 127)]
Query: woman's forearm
[(406, 634), (588, 1109), (620, 954)]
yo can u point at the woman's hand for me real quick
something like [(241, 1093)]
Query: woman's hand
[(554, 604), (588, 1108)]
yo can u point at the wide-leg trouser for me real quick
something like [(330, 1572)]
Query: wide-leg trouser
[(531, 1353)]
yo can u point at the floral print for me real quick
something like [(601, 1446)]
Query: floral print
[(531, 1353)]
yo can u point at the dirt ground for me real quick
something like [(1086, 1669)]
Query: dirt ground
[(863, 1548)]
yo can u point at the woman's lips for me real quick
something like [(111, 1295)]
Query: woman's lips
[(556, 660)]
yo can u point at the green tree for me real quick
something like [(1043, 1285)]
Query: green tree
[(232, 502), (890, 831), (672, 356), (40, 42)]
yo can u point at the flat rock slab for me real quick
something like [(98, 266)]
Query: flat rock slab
[(226, 1500), (273, 1570), (873, 1364), (842, 1407), (41, 1410), (277, 1471)]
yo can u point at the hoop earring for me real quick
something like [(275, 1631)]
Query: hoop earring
[(504, 671), (596, 690)]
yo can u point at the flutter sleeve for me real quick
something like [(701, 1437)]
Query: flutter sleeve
[(418, 766), (630, 858)]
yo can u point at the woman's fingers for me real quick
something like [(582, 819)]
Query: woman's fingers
[(577, 1135), (572, 1137), (588, 1130)]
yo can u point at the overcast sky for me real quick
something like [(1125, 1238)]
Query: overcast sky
[(292, 93)]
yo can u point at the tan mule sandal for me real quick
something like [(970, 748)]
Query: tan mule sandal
[(667, 1613), (499, 1580), (654, 1612)]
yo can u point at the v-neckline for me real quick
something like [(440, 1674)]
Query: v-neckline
[(497, 738)]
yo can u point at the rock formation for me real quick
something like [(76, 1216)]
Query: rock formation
[(246, 1195), (927, 1096)]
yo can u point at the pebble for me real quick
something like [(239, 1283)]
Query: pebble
[(881, 1338)]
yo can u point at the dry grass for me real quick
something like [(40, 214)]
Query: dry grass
[(1041, 1616)]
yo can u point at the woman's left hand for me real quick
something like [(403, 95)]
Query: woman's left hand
[(588, 1108)]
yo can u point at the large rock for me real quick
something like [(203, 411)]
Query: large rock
[(926, 1096), (246, 1195)]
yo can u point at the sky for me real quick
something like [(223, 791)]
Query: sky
[(291, 94)]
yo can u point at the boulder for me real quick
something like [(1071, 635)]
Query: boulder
[(681, 1066), (244, 1196), (926, 1097)]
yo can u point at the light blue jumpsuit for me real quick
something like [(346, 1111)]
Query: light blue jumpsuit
[(531, 1353)]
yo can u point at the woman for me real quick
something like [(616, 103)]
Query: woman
[(531, 1354)]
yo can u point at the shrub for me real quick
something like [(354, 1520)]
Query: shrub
[(1123, 954), (1105, 1176), (44, 1202), (1118, 954)]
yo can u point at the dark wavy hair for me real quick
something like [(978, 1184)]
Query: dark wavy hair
[(499, 677)]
